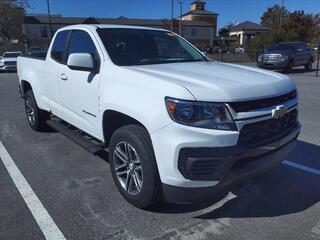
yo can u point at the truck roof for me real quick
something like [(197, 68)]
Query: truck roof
[(96, 26)]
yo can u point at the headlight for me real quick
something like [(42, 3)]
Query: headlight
[(260, 58), (283, 58), (1, 63), (200, 114)]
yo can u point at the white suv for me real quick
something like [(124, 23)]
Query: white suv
[(177, 125), (8, 61)]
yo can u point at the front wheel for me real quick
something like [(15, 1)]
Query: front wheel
[(289, 67), (36, 117), (308, 66), (133, 166)]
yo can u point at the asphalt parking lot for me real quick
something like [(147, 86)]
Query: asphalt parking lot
[(77, 191)]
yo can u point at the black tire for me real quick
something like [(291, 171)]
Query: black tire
[(289, 67), (138, 139), (308, 66), (38, 121)]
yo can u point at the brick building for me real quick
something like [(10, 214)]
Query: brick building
[(199, 26)]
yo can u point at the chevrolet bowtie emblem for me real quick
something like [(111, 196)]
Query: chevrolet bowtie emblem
[(279, 112)]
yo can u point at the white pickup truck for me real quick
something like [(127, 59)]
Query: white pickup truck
[(177, 126)]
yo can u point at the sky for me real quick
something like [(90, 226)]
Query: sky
[(229, 11)]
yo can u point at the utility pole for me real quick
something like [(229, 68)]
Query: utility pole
[(49, 16), (172, 15), (180, 22), (281, 14), (317, 74)]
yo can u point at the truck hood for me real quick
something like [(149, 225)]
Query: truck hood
[(220, 82), (281, 52)]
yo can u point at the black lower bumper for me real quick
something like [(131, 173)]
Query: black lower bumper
[(273, 65), (236, 164)]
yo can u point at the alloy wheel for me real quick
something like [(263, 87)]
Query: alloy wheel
[(30, 111), (128, 168)]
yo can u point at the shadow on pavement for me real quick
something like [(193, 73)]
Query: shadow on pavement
[(307, 154), (281, 191), (311, 73), (285, 190), (171, 208)]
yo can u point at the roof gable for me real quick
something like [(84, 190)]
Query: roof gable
[(200, 12), (247, 25)]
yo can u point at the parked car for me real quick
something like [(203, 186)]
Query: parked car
[(34, 49), (223, 50), (239, 50), (284, 56), (8, 61), (38, 54), (178, 127)]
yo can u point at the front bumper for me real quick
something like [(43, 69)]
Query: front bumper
[(273, 65), (8, 68), (228, 161), (231, 165)]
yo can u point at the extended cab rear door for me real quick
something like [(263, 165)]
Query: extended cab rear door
[(79, 89), (55, 59)]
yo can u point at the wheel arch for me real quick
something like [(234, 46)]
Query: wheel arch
[(113, 120), (25, 86)]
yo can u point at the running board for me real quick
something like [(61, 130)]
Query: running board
[(85, 141)]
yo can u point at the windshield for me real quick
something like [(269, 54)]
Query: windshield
[(11, 55), (281, 47), (131, 47)]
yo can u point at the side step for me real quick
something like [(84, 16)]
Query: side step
[(82, 139)]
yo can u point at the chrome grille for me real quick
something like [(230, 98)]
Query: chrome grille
[(268, 58), (10, 63)]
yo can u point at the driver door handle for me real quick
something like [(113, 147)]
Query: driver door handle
[(63, 76)]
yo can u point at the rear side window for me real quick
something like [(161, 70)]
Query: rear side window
[(59, 46), (81, 42)]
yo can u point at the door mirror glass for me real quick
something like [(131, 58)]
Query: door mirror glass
[(81, 62)]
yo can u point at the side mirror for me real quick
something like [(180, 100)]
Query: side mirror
[(81, 62)]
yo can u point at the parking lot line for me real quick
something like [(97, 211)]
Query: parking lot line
[(50, 230), (302, 167)]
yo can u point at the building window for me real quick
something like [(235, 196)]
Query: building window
[(44, 32), (193, 31)]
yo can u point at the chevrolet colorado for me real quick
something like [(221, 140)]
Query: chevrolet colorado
[(177, 126)]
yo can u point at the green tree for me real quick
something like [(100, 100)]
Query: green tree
[(224, 31), (11, 19), (274, 17), (306, 26), (286, 26)]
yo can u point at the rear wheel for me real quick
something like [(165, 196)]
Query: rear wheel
[(36, 117), (308, 66), (134, 167)]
